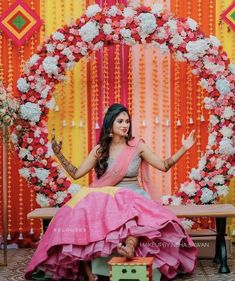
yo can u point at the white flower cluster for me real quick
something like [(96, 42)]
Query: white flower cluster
[(207, 195), (226, 146), (189, 188), (157, 9), (89, 31), (24, 172), (30, 111), (33, 60), (223, 86), (147, 24), (59, 197), (196, 49), (50, 65), (58, 36), (92, 10), (41, 174), (22, 85), (42, 200)]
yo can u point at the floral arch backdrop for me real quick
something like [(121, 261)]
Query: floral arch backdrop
[(127, 25)]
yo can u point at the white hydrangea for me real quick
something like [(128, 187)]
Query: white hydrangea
[(147, 24), (226, 131), (14, 138), (42, 200), (165, 199), (202, 163), (74, 188), (45, 91), (24, 172), (67, 52), (231, 67), (30, 111), (226, 146), (22, 85), (213, 67), (32, 61), (58, 36), (214, 119), (176, 201), (195, 174), (228, 112), (231, 171), (112, 11), (209, 103), (129, 12), (172, 25), (50, 65), (50, 151), (197, 48), (204, 83), (23, 152), (41, 173), (219, 163), (193, 25), (218, 179), (214, 41), (161, 33), (222, 190), (40, 84), (176, 40), (107, 28), (189, 188), (223, 86), (60, 196), (191, 57), (212, 139), (187, 224), (92, 10), (126, 33), (207, 195), (51, 103), (50, 48), (157, 9), (89, 31)]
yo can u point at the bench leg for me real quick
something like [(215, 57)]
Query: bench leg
[(220, 246), (45, 223)]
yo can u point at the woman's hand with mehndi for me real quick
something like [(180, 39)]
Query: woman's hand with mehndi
[(189, 141), (56, 147)]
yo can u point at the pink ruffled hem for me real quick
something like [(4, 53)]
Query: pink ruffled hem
[(167, 242)]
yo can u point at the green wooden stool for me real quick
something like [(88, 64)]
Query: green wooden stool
[(135, 269)]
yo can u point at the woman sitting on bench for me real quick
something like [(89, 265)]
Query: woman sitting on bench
[(115, 215)]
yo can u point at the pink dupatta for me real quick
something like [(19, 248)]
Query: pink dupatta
[(116, 172)]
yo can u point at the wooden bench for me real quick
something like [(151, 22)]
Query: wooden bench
[(219, 211)]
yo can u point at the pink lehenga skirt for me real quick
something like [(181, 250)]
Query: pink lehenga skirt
[(96, 220)]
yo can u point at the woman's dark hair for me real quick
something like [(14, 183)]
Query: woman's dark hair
[(105, 139)]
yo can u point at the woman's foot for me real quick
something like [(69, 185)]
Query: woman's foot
[(128, 249), (90, 275)]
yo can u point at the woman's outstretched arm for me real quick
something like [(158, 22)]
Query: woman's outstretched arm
[(165, 165), (76, 173)]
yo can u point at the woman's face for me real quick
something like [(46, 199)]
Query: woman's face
[(121, 124)]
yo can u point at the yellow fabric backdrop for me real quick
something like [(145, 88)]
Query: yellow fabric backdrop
[(71, 97)]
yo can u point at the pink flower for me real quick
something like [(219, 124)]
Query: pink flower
[(40, 151)]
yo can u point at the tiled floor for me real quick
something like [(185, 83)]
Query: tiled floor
[(206, 270)]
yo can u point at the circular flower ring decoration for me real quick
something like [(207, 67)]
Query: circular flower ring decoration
[(127, 25)]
